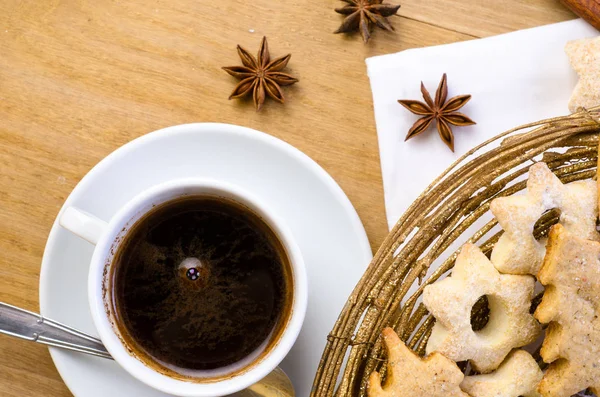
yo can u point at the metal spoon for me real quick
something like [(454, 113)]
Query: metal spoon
[(34, 327)]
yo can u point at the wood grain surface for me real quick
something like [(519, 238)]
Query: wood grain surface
[(78, 79)]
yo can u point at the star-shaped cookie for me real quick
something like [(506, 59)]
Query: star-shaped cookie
[(451, 300), (409, 375), (585, 58), (571, 304), (517, 251), (518, 376)]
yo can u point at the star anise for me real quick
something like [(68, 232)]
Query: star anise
[(445, 113), (260, 75), (363, 14)]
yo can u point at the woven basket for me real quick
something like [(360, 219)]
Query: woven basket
[(423, 245)]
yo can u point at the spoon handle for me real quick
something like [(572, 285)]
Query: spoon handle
[(34, 327)]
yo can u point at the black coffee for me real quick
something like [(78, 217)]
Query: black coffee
[(200, 283)]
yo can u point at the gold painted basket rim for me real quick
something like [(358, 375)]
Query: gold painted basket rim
[(428, 232)]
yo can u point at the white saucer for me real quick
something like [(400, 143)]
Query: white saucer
[(330, 235)]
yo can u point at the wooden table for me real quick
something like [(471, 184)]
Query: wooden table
[(78, 79)]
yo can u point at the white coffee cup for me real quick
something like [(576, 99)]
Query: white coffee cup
[(107, 236)]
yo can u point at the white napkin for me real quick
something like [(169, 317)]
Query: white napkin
[(514, 79)]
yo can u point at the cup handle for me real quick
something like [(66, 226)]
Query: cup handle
[(83, 224)]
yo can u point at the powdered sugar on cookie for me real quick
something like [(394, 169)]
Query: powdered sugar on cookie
[(517, 251), (451, 300), (409, 375)]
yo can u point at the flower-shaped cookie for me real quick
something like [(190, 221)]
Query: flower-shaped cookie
[(517, 251), (451, 300), (584, 55), (409, 375), (518, 376), (571, 304)]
